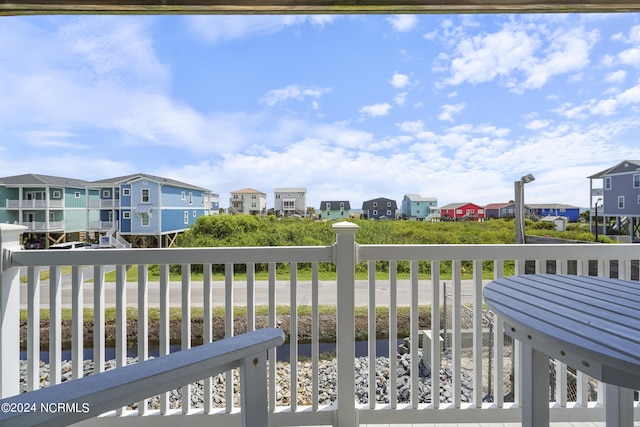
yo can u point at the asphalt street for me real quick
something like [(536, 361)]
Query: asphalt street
[(327, 292)]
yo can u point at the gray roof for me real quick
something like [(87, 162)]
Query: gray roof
[(135, 177), (419, 198), (605, 172), (36, 180), (290, 190), (335, 204)]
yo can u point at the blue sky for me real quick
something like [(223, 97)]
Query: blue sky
[(352, 107)]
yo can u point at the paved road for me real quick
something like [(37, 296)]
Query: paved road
[(327, 293)]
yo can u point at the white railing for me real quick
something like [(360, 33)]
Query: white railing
[(34, 204), (69, 403), (103, 203), (43, 226), (100, 225), (421, 288)]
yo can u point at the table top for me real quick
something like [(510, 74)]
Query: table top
[(590, 323)]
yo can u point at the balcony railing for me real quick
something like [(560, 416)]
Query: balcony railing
[(43, 226), (494, 394), (34, 204)]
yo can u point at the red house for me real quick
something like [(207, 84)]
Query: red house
[(462, 212)]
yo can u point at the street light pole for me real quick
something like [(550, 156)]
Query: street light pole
[(519, 206)]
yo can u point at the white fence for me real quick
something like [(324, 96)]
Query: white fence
[(422, 288)]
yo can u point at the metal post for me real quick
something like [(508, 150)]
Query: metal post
[(9, 311), (519, 190), (345, 258)]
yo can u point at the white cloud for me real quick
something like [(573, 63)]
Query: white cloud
[(616, 77), (399, 80), (449, 110), (537, 124), (400, 98), (376, 110), (521, 57), (411, 127), (403, 23), (295, 92), (216, 28)]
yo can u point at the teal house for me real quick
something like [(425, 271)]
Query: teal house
[(331, 210)]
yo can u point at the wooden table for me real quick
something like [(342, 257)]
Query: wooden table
[(589, 323)]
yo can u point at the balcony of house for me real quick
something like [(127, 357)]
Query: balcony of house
[(100, 225), (42, 226), (103, 203), (34, 204), (447, 360)]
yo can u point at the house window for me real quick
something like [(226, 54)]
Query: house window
[(77, 194), (253, 196), (106, 194), (375, 213), (388, 213), (388, 204), (277, 196), (620, 202), (126, 191), (145, 220), (636, 180), (52, 216), (639, 200), (56, 194), (190, 198), (607, 183), (145, 195), (459, 211), (253, 205), (186, 217), (183, 195), (126, 215), (341, 205), (194, 214), (375, 204), (328, 206)]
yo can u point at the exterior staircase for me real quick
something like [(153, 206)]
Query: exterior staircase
[(113, 239)]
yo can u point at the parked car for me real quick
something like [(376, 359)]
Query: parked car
[(73, 245), (34, 244)]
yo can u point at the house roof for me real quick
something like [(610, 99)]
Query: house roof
[(138, 176), (458, 205), (248, 191), (551, 206), (369, 203), (323, 205), (419, 198), (498, 205), (31, 179), (290, 190), (605, 172)]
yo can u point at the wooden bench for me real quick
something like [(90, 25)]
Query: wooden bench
[(589, 323), (94, 395)]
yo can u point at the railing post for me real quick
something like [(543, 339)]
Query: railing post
[(9, 312), (345, 259)]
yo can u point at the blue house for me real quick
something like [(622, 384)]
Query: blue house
[(379, 208), (150, 211), (416, 207), (618, 198), (572, 213)]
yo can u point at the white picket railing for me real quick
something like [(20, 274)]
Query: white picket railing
[(346, 255)]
